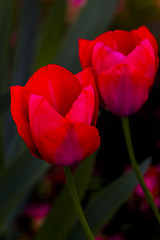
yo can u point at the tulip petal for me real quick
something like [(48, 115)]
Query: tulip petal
[(108, 39), (104, 57), (59, 86), (85, 46), (144, 33), (80, 142), (119, 40), (125, 41), (59, 141), (124, 89), (83, 108), (20, 114), (143, 58), (86, 78), (44, 121)]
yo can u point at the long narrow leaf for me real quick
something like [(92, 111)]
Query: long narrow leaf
[(62, 216), (92, 21), (4, 102), (26, 43), (4, 106), (22, 64), (6, 17), (16, 183), (103, 208), (50, 35)]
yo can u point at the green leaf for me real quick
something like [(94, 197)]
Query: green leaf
[(50, 35), (106, 204), (6, 17), (62, 216), (26, 43), (4, 102), (16, 182), (94, 18), (22, 65), (4, 106)]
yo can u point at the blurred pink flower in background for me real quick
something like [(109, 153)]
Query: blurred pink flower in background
[(37, 210), (77, 3), (51, 186), (74, 6), (124, 66), (114, 237), (152, 180)]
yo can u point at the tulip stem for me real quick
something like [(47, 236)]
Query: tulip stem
[(148, 195), (77, 204)]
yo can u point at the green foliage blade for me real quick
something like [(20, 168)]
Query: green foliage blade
[(62, 216), (106, 204), (92, 21), (26, 42), (4, 102), (16, 182), (50, 35), (6, 17)]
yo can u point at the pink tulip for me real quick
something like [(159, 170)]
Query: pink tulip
[(124, 64)]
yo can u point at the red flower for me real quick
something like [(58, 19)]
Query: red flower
[(55, 114), (124, 66)]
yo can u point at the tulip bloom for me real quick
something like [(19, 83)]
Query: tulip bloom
[(56, 113), (124, 65)]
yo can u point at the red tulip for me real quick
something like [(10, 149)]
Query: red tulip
[(124, 65), (56, 113)]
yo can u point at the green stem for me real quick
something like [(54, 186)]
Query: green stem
[(148, 195), (77, 204)]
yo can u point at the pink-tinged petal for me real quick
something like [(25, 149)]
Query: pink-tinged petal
[(119, 40), (86, 47), (59, 141), (104, 57), (80, 142), (20, 114), (143, 58), (83, 108), (86, 78), (124, 89), (59, 86), (144, 33), (45, 123)]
